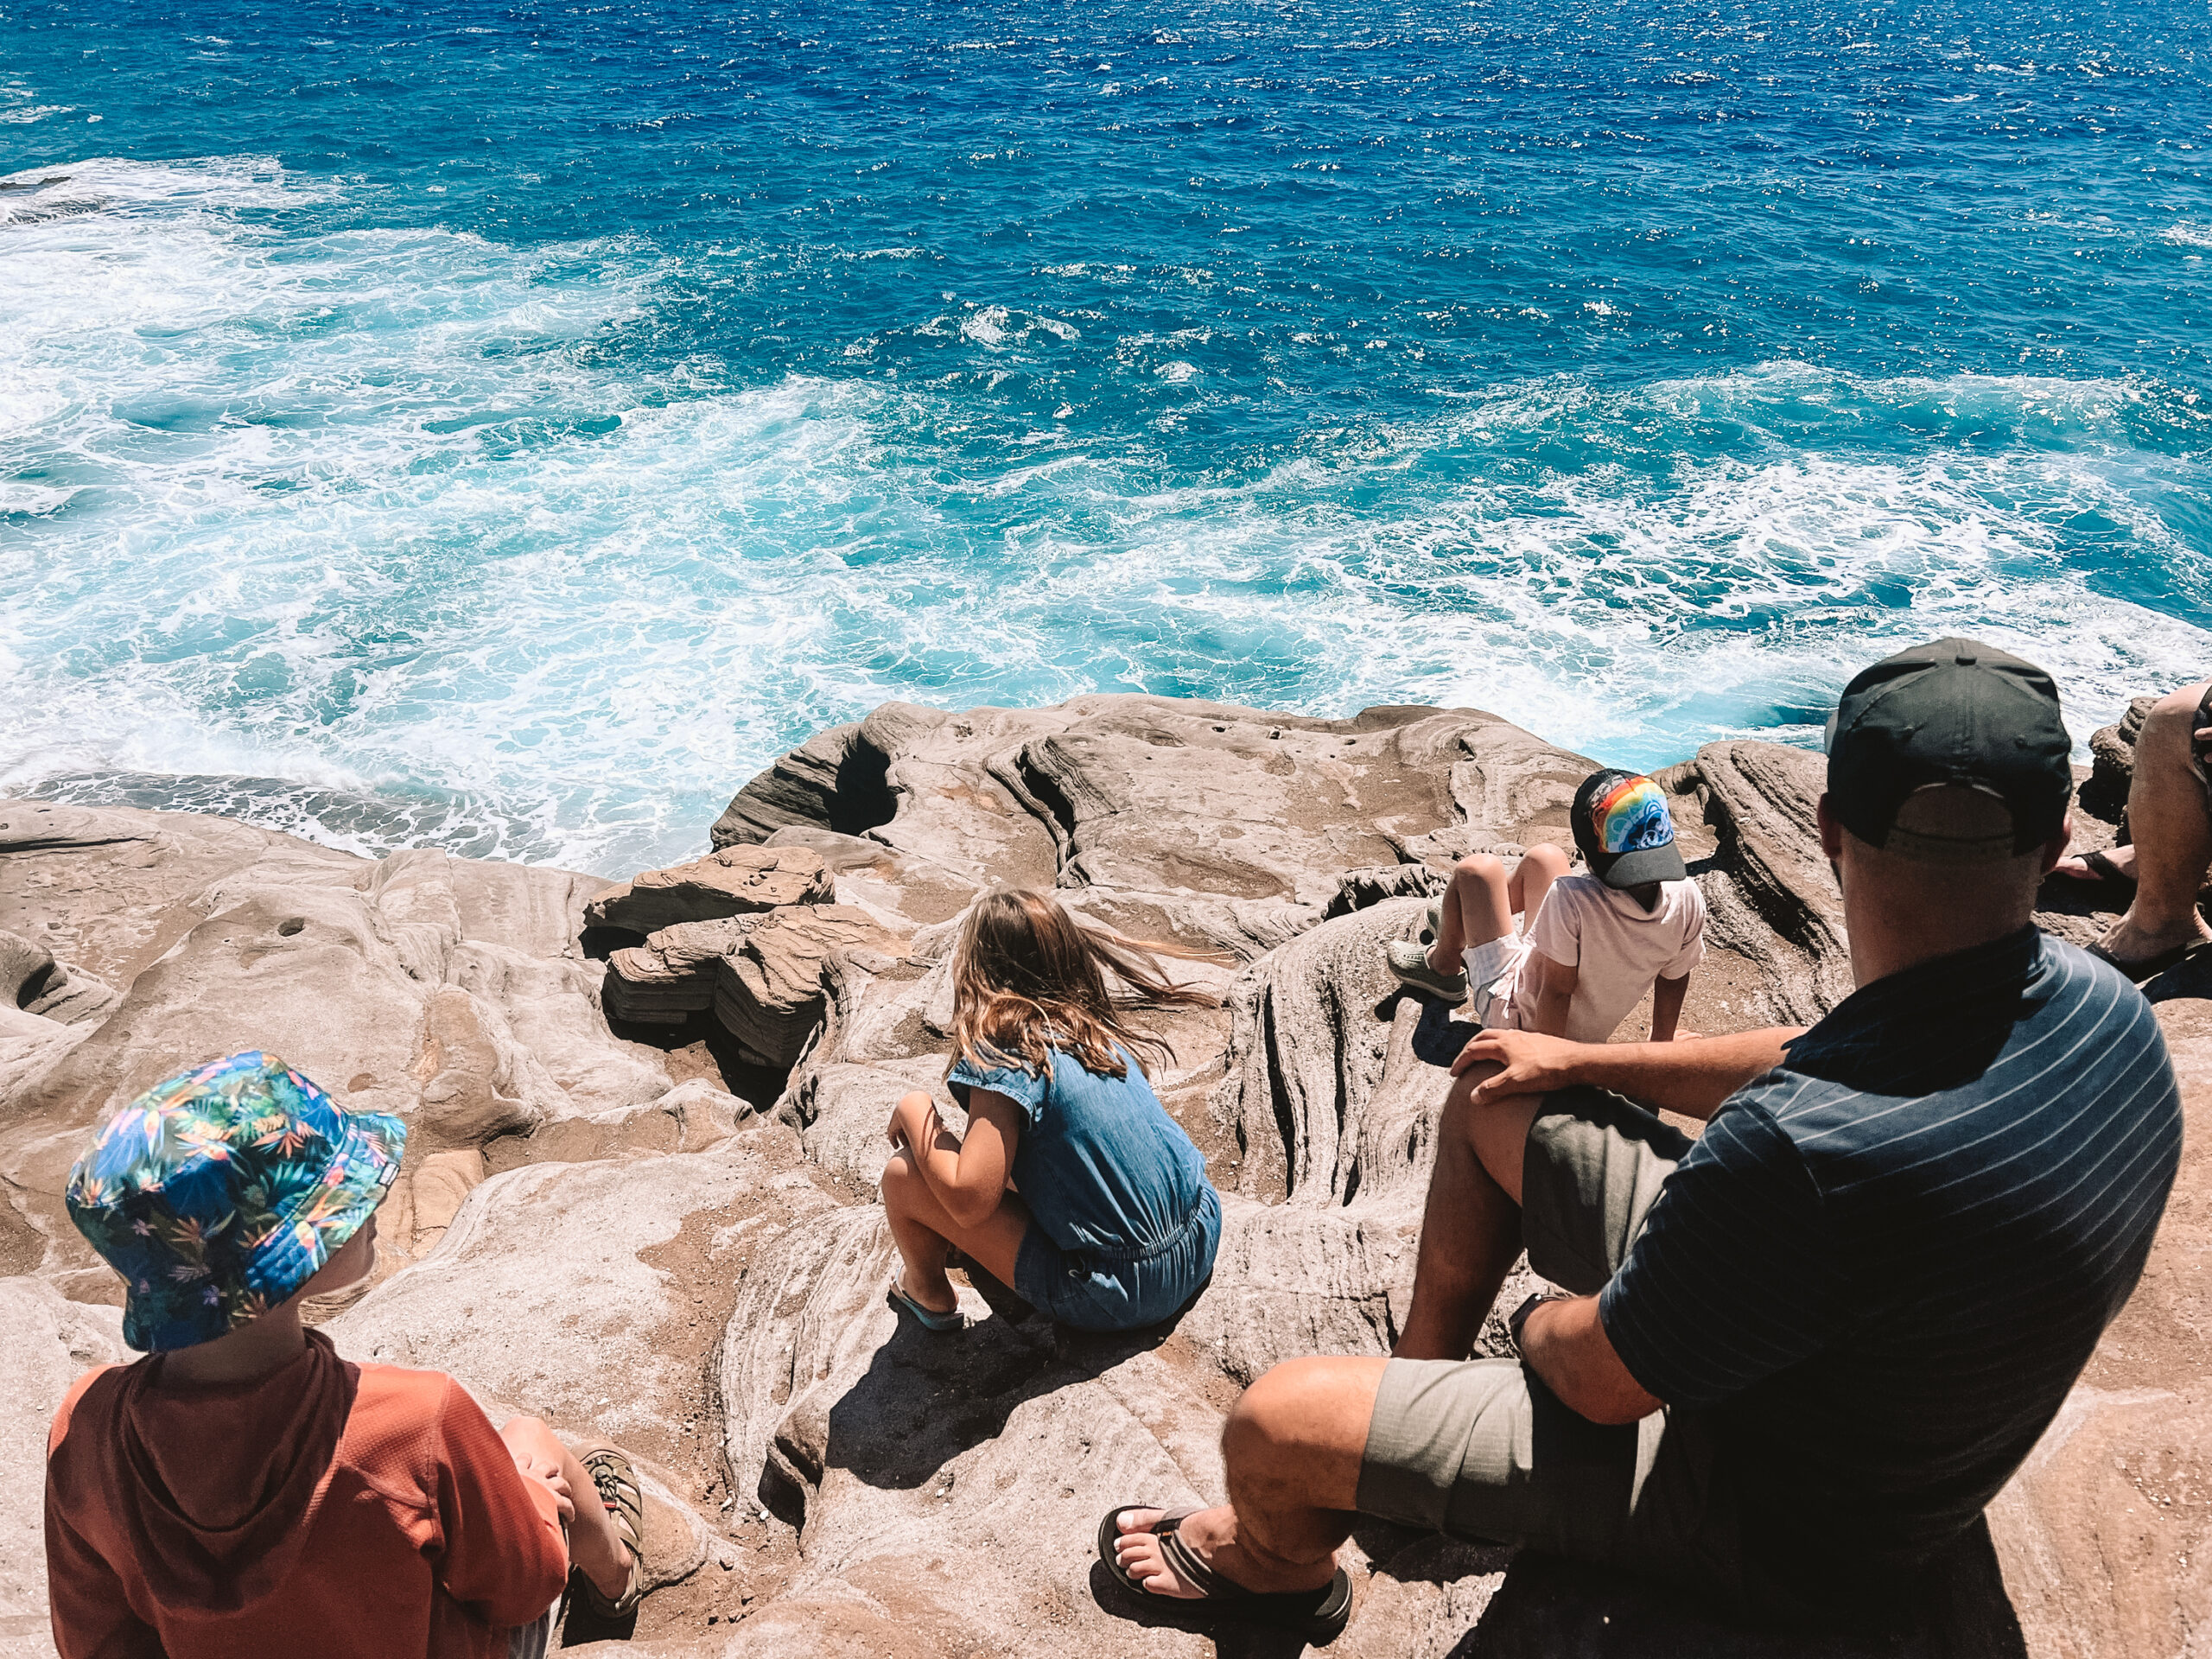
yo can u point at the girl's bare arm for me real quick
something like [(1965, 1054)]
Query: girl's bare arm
[(970, 1176)]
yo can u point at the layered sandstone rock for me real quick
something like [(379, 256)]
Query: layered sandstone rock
[(729, 881), (578, 1234)]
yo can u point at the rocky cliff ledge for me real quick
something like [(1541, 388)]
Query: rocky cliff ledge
[(638, 1197)]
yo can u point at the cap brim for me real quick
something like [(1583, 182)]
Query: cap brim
[(1646, 864)]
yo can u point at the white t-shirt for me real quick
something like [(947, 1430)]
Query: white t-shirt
[(1616, 947)]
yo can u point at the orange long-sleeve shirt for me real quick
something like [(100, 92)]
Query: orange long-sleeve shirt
[(350, 1511)]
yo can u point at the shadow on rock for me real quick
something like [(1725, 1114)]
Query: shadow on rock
[(929, 1395), (1116, 1595), (2190, 978)]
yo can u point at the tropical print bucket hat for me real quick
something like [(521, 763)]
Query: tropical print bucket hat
[(218, 1193)]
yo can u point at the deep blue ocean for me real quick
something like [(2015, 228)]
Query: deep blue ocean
[(509, 426)]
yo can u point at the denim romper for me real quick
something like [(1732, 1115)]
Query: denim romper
[(1124, 1223)]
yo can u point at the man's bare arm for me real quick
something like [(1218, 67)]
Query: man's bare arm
[(1566, 1344), (1691, 1076)]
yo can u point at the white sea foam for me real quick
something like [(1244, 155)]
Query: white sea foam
[(329, 516)]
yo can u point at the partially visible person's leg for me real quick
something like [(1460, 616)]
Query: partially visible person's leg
[(1539, 867), (1292, 1449), (1471, 1227), (1472, 1447), (594, 1545), (926, 1234), (2170, 819), (1478, 908)]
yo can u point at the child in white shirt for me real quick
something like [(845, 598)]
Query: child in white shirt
[(1594, 943)]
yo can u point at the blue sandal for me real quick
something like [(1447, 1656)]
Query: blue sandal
[(955, 1320)]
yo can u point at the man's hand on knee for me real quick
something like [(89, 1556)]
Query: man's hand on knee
[(1528, 1062)]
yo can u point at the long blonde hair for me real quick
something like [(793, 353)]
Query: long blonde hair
[(1028, 978)]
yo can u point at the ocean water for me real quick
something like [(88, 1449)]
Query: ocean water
[(507, 426)]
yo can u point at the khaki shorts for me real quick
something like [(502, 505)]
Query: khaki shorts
[(1482, 1449)]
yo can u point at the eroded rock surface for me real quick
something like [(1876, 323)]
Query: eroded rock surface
[(601, 1231)]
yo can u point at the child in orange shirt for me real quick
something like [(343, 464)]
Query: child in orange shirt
[(243, 1490)]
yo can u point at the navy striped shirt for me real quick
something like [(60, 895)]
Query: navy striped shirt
[(1882, 1266)]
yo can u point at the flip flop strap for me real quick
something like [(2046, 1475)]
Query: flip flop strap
[(1185, 1559)]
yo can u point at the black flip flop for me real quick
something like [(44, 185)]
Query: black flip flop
[(2100, 867), (2150, 967), (1317, 1615)]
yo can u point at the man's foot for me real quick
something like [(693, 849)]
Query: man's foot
[(613, 1589), (1210, 1535), (1185, 1561), (2129, 946), (1137, 1553)]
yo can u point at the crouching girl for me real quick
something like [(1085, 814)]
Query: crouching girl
[(1072, 1185)]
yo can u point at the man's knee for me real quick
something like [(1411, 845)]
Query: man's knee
[(1478, 1123), (2173, 717), (1289, 1408), (1304, 1425), (1495, 1131)]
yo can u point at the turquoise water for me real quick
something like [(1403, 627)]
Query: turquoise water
[(509, 426)]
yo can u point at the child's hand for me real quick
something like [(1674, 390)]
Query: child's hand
[(548, 1473), (913, 1123)]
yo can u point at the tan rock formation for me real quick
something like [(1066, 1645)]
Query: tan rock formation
[(665, 1266), (729, 881)]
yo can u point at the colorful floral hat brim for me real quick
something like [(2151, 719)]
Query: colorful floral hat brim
[(218, 1193)]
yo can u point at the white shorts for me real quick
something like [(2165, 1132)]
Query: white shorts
[(1493, 976)]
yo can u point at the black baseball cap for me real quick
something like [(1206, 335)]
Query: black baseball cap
[(1952, 712), (1625, 831)]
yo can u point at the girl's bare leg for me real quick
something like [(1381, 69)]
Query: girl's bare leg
[(925, 1233)]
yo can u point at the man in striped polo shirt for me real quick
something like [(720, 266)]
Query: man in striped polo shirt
[(1800, 1354)]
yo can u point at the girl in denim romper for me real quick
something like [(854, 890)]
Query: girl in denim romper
[(1072, 1184)]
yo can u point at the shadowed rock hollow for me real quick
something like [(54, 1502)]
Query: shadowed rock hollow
[(661, 1226)]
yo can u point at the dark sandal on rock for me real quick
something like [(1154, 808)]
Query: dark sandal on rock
[(616, 1479), (953, 1319), (1317, 1616), (2098, 866), (2150, 967)]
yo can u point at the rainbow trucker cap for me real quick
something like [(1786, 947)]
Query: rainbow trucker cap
[(218, 1193), (1625, 831)]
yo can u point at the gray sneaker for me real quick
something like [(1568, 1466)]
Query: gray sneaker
[(1435, 924), (1410, 964)]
